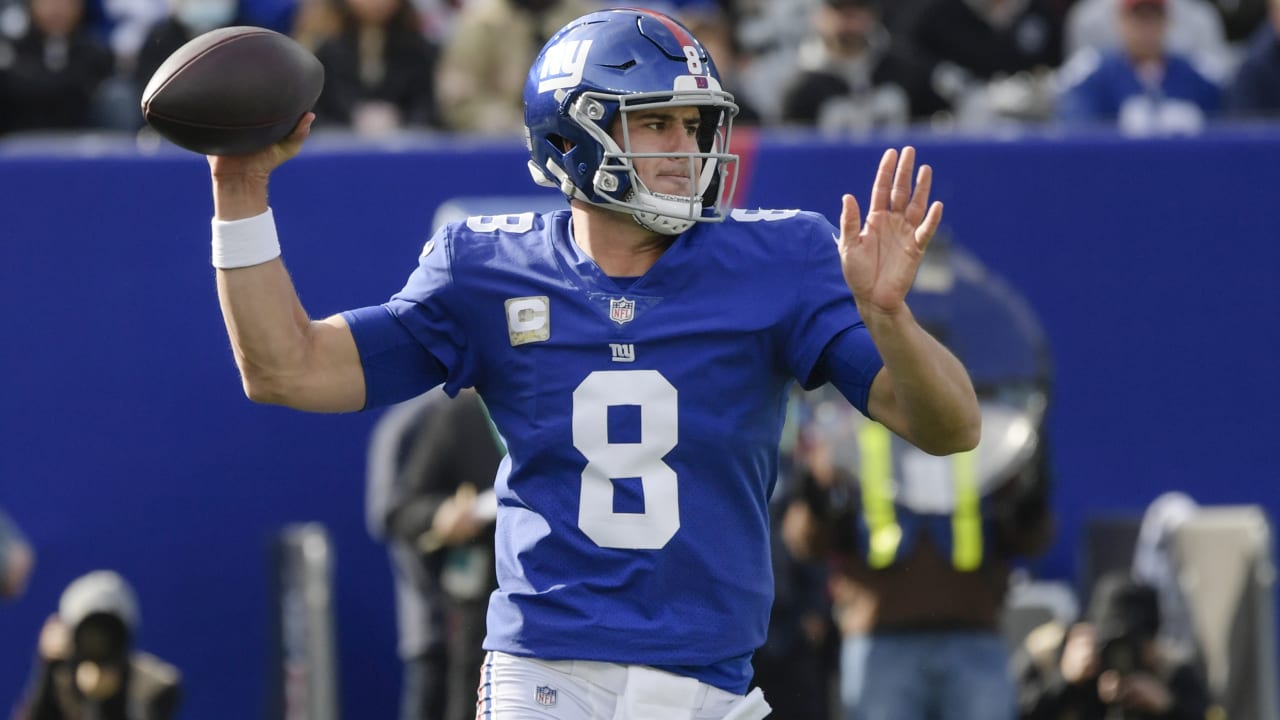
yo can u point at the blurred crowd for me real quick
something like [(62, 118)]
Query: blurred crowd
[(1146, 67)]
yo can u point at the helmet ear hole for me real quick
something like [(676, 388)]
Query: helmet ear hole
[(561, 143)]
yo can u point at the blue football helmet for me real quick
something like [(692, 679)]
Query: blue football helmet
[(590, 75)]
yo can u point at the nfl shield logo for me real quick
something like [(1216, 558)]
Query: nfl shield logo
[(545, 695), (622, 310)]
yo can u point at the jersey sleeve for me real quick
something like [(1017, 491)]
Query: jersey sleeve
[(850, 362), (823, 321), (396, 366), (415, 340)]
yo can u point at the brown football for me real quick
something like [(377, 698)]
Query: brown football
[(232, 91)]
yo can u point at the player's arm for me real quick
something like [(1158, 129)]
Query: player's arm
[(923, 392), (285, 358)]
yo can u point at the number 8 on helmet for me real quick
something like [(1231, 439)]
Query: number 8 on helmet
[(595, 71)]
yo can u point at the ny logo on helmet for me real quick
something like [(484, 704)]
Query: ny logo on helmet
[(562, 65)]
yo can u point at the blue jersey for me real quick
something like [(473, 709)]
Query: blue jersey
[(642, 420)]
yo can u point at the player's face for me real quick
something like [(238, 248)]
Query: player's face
[(664, 130)]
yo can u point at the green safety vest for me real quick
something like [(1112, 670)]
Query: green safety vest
[(885, 534)]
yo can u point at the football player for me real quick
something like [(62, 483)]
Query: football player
[(635, 350)]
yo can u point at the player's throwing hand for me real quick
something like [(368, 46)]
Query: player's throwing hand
[(880, 258), (261, 163)]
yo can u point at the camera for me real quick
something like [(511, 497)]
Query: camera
[(1127, 617), (101, 638), (1121, 653)]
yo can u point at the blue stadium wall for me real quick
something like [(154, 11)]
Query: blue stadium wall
[(126, 441)]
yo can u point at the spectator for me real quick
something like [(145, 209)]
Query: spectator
[(438, 459), (1109, 666), (852, 76), (989, 58), (711, 26), (379, 70), (1195, 32), (51, 75), (987, 38), (769, 33), (486, 60), (438, 17), (125, 25), (1141, 88), (1255, 91), (16, 559), (87, 666), (1240, 18), (186, 20), (314, 22)]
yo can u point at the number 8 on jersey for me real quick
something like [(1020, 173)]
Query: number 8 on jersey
[(656, 399)]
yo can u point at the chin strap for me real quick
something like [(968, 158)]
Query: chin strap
[(669, 212)]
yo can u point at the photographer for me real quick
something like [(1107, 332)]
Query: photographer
[(87, 667), (1109, 667), (432, 463)]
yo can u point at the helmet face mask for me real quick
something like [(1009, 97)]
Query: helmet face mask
[(579, 93)]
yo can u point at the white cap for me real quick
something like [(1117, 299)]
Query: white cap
[(101, 591)]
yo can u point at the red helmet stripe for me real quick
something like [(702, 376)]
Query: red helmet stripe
[(682, 36)]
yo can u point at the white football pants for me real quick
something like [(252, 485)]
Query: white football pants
[(519, 688)]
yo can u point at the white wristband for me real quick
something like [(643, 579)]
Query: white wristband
[(241, 243)]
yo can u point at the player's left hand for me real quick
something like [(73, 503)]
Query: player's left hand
[(880, 258)]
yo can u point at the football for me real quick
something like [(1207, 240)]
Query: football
[(232, 91)]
